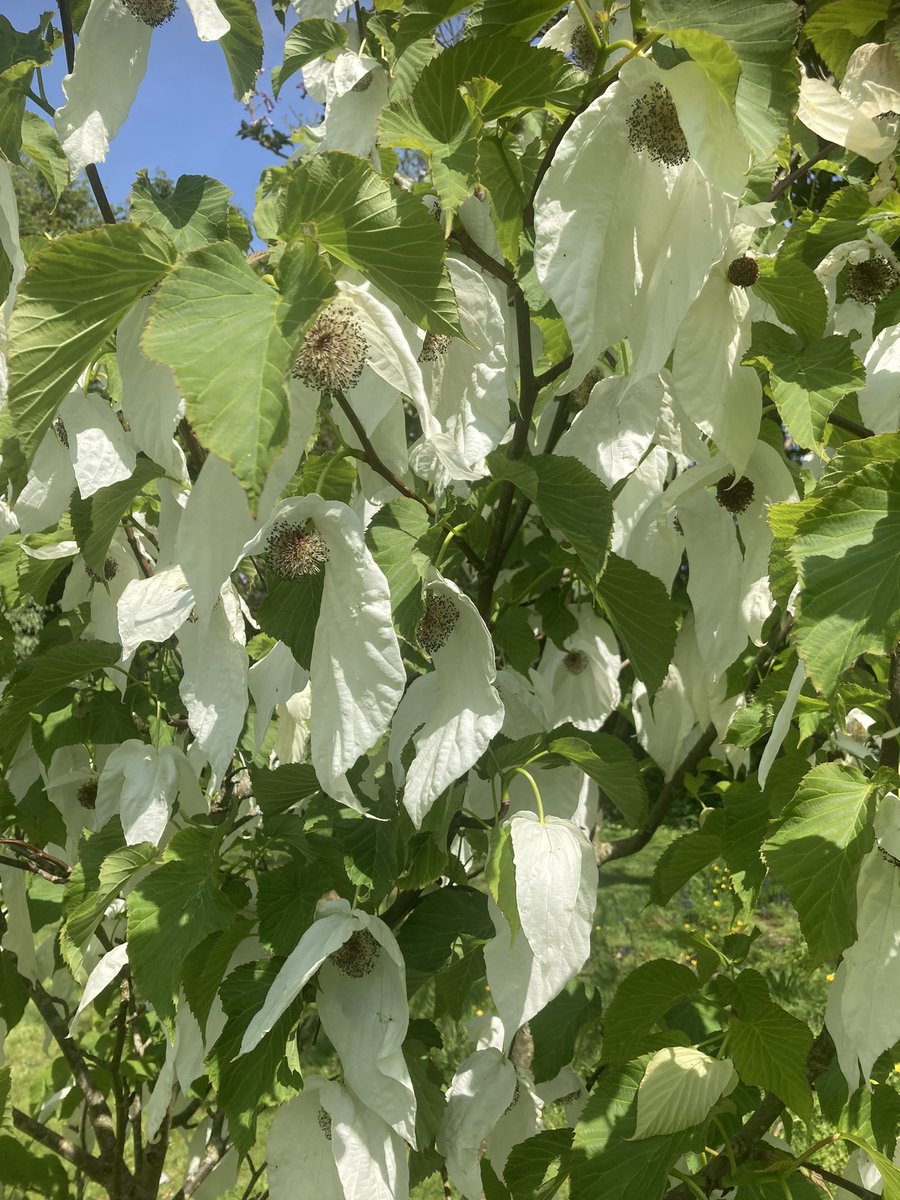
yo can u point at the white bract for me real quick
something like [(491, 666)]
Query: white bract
[(326, 1144), (139, 784), (451, 713), (483, 1088), (362, 1005), (627, 233), (852, 116), (580, 683), (556, 892)]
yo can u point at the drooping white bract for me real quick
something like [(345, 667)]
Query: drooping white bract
[(851, 316), (728, 582), (680, 1086), (878, 405), (151, 401), (580, 683), (862, 1014), (208, 20), (852, 115), (101, 977), (566, 1088), (98, 100), (722, 397), (616, 427), (638, 532), (96, 453), (469, 388), (151, 610), (325, 1144), (139, 784), (356, 670), (102, 452), (625, 242), (362, 1005), (69, 771), (520, 1121), (451, 713), (353, 87), (483, 1088), (273, 679), (292, 738), (213, 685), (556, 894)]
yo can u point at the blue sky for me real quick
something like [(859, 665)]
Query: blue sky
[(185, 117)]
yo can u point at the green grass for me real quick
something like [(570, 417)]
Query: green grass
[(627, 932)]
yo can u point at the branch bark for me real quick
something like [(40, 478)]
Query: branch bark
[(66, 1149)]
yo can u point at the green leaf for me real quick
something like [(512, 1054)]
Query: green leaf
[(837, 28), (242, 45), (558, 1026), (743, 831), (42, 676), (306, 41), (681, 861), (421, 18), (795, 294), (643, 615), (570, 499), (5, 1089), (816, 850), (40, 143), (515, 638), (530, 1161), (277, 791), (847, 554), (104, 866), (70, 300), (472, 83), (515, 18), (171, 911), (807, 380), (500, 875), (192, 215), (453, 985), (286, 901), (392, 536), (612, 767), (244, 1085), (427, 936), (605, 1161), (95, 520), (641, 1001), (205, 967), (761, 33), (890, 1174), (389, 236), (228, 338), (290, 613), (13, 997), (769, 1048)]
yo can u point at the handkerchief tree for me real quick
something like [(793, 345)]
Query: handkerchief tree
[(381, 567)]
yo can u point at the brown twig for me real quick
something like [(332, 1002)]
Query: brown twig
[(142, 561), (66, 1149), (786, 180), (380, 468)]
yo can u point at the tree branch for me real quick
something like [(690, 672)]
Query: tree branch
[(66, 1149), (98, 1110), (786, 180), (378, 466)]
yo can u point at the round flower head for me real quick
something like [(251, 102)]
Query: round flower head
[(871, 280), (744, 271), (735, 497), (437, 623), (654, 126), (110, 570), (583, 49), (575, 662), (152, 12), (434, 347), (295, 550), (358, 955), (333, 353), (87, 794), (323, 1119)]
